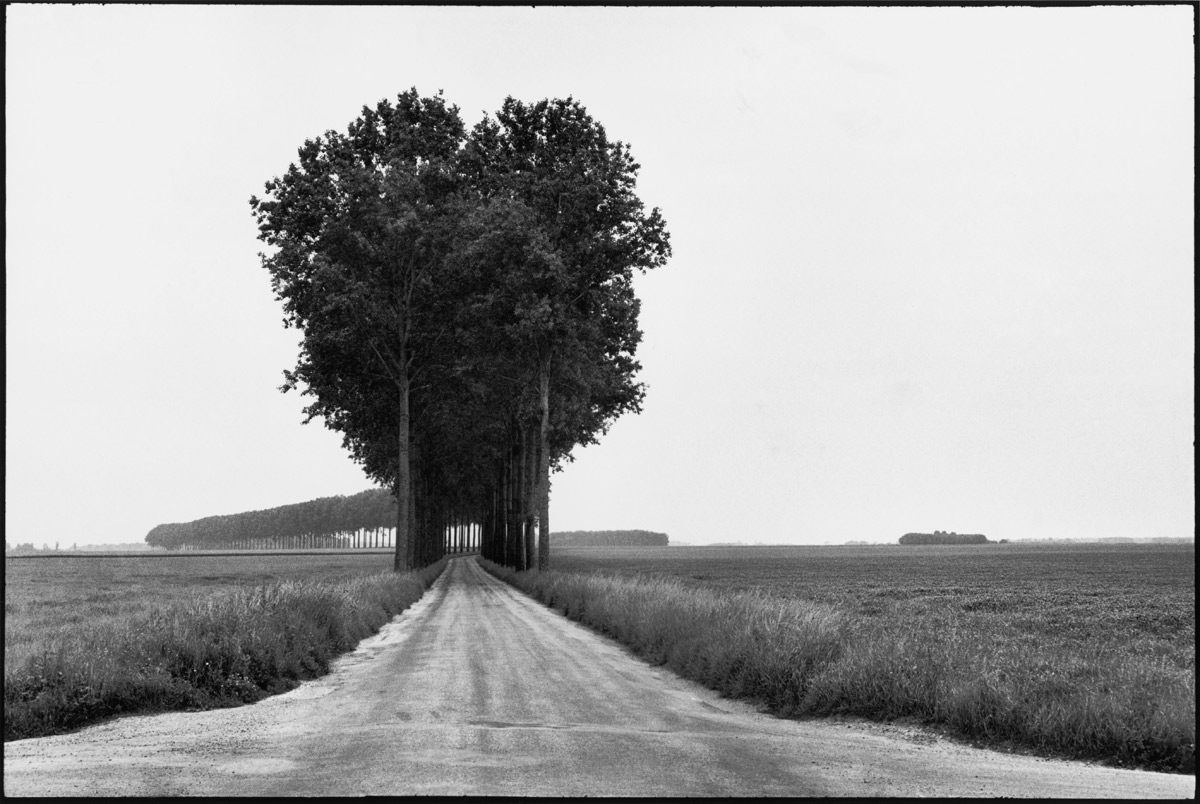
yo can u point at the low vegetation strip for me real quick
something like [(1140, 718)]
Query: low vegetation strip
[(214, 651), (608, 538), (807, 658)]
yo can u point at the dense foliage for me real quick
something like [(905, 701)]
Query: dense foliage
[(357, 520), (941, 537), (466, 304), (609, 538)]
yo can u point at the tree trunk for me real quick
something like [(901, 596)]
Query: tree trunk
[(513, 522), (524, 513), (543, 470), (413, 537), (403, 559), (529, 509), (521, 468), (488, 542)]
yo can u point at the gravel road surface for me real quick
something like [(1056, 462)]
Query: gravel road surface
[(479, 690)]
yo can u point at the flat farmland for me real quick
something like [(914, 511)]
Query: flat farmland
[(1090, 591), (1084, 650), (49, 598)]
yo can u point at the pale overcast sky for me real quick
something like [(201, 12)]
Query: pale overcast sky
[(933, 267)]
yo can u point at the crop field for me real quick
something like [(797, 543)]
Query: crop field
[(49, 598), (1073, 650), (1092, 591), (1131, 599)]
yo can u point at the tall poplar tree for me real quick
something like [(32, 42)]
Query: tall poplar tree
[(360, 227), (575, 300)]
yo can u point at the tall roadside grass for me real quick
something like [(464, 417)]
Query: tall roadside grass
[(216, 651), (968, 673)]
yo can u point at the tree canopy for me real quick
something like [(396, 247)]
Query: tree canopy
[(466, 302)]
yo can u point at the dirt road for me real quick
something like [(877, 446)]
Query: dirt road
[(479, 690)]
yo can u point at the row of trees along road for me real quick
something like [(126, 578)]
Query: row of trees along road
[(466, 304), (359, 520)]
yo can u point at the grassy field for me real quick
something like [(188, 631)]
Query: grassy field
[(50, 597), (90, 637), (1110, 592), (1071, 650)]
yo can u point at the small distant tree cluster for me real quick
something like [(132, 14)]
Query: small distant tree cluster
[(359, 520), (466, 304), (941, 537), (610, 538)]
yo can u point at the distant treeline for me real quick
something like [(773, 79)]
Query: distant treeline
[(942, 537), (360, 520), (608, 538), (29, 549)]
